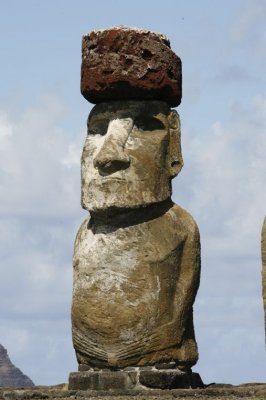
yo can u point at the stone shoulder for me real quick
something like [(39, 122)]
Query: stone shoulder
[(82, 229), (185, 219)]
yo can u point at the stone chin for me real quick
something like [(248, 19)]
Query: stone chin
[(121, 194)]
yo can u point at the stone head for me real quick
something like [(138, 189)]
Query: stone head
[(132, 150), (131, 153)]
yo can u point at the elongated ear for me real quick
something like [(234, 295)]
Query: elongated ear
[(175, 159)]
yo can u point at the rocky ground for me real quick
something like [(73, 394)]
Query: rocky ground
[(215, 392)]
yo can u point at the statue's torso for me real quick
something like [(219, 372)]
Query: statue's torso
[(125, 285)]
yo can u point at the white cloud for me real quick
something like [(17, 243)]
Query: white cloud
[(39, 162), (223, 186), (248, 37), (6, 128), (41, 348), (253, 12), (234, 74), (40, 212), (72, 157), (226, 168), (17, 340)]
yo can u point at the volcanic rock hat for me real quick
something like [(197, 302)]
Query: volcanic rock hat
[(129, 63)]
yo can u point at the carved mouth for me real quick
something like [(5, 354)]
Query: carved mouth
[(114, 179)]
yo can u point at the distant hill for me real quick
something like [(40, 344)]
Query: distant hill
[(11, 376)]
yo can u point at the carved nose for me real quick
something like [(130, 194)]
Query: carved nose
[(110, 165), (112, 156)]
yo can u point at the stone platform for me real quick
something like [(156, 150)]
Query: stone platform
[(134, 378), (251, 391)]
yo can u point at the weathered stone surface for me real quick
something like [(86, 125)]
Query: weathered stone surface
[(11, 376), (134, 379), (103, 380), (170, 365), (137, 258), (217, 392), (263, 254), (131, 151), (170, 379), (127, 63)]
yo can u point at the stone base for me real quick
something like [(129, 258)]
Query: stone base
[(134, 378)]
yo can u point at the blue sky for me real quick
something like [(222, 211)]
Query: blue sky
[(42, 130)]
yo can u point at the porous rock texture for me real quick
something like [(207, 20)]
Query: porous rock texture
[(263, 253), (11, 376), (127, 63)]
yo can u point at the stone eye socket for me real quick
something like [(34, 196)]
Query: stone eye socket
[(149, 124), (98, 128)]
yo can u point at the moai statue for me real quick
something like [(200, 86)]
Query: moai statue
[(137, 256), (263, 254)]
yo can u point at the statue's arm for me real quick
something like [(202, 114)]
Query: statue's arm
[(188, 281), (171, 334), (79, 240)]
